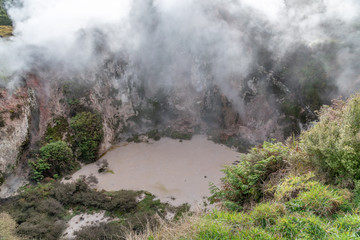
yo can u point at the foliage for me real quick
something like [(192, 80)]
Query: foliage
[(320, 200), (55, 158), (243, 183), (291, 186), (333, 143), (233, 141), (7, 227), (4, 18), (40, 211), (174, 134), (154, 134), (88, 134), (38, 168), (266, 214), (57, 131), (113, 230)]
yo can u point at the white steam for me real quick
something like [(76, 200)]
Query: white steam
[(175, 42)]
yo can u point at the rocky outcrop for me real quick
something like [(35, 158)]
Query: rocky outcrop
[(15, 118)]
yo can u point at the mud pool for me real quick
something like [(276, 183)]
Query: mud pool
[(176, 172)]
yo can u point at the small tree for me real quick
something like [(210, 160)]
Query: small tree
[(55, 158)]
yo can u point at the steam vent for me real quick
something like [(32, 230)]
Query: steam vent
[(179, 119)]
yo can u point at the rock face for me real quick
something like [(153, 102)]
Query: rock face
[(15, 121)]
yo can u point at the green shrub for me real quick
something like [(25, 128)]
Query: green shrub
[(235, 219), (213, 230), (113, 231), (88, 134), (243, 183), (291, 186), (40, 211), (320, 200), (334, 142), (266, 214), (301, 227), (38, 169), (55, 158), (349, 222)]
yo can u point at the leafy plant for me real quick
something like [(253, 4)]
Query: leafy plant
[(56, 158), (243, 183), (334, 142), (88, 134)]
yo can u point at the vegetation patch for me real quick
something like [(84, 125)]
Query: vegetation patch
[(88, 134), (244, 182), (41, 211), (232, 141), (56, 159), (7, 227), (174, 134), (58, 130), (333, 142)]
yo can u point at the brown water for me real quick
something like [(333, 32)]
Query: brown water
[(176, 172)]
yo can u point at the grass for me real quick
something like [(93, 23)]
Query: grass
[(6, 31)]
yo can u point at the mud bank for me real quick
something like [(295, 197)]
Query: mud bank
[(176, 172)]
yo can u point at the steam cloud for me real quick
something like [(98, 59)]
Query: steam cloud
[(177, 42)]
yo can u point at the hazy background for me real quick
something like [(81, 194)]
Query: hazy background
[(169, 43)]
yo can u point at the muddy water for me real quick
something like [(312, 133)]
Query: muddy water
[(176, 172)]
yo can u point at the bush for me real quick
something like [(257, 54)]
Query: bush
[(291, 186), (7, 227), (88, 134), (55, 158), (320, 200), (301, 227), (266, 214), (40, 211), (243, 182), (113, 231), (334, 142)]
